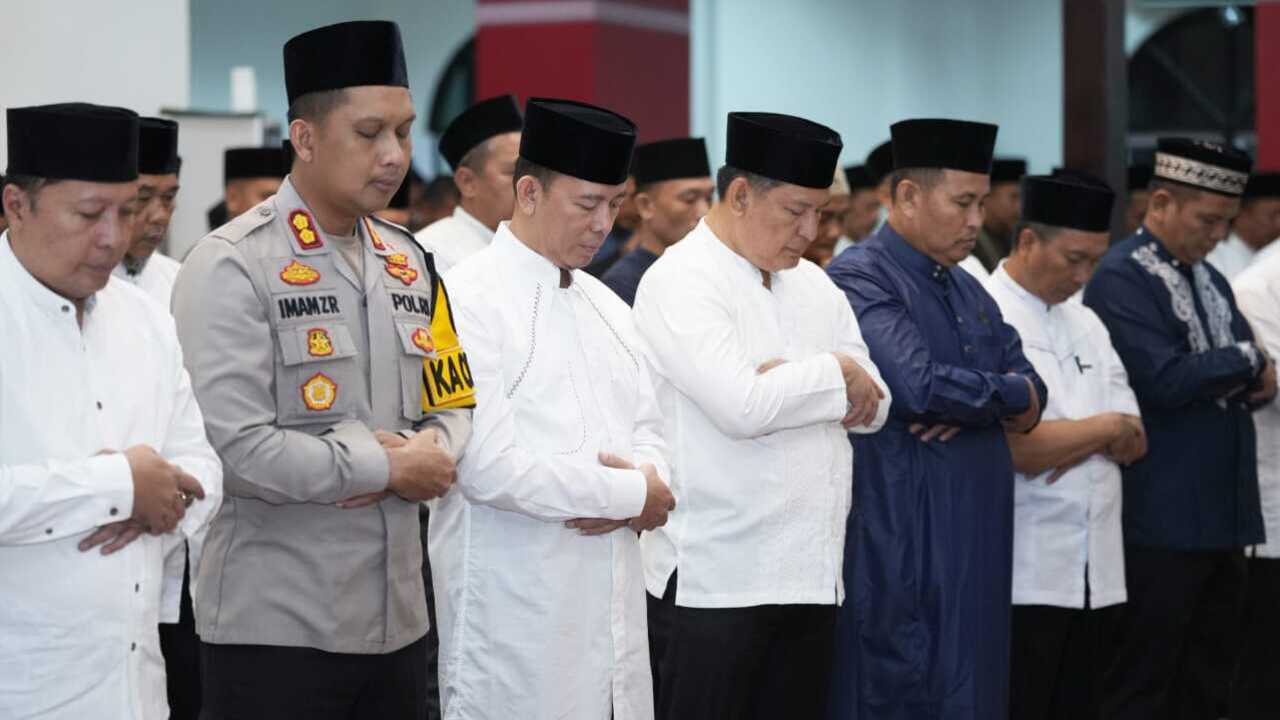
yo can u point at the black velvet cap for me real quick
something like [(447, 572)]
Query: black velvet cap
[(1263, 185), (1140, 176), (785, 148), (880, 161), (478, 123), (942, 143), (579, 140), (73, 141), (671, 160), (254, 162), (1202, 165), (1067, 201), (349, 54), (859, 178), (1007, 170), (157, 146)]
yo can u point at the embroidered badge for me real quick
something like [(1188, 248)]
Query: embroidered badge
[(374, 239), (319, 392), (295, 273), (398, 267), (421, 339), (319, 344), (304, 230)]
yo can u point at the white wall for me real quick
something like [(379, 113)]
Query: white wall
[(860, 65), (227, 33), (132, 53)]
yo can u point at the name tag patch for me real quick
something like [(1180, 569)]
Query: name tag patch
[(416, 304), (306, 306)]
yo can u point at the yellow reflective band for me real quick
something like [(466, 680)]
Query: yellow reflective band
[(446, 378)]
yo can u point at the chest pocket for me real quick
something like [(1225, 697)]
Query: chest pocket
[(316, 373)]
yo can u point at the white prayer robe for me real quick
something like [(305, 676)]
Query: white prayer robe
[(537, 621), (1231, 256), (1063, 530), (79, 631), (155, 279), (1257, 291), (763, 469), (450, 240)]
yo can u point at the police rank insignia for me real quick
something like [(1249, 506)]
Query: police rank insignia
[(295, 273), (319, 344), (374, 240), (398, 267), (304, 230), (319, 392), (421, 339)]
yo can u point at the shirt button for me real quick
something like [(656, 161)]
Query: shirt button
[(959, 319), (264, 211), (66, 308), (133, 646), (48, 531), (99, 404), (968, 348), (113, 511), (137, 587)]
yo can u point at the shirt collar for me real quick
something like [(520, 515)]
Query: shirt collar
[(19, 278), (726, 255), (911, 258), (470, 221), (1162, 252), (1024, 295), (528, 262)]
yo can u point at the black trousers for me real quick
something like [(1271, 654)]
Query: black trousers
[(433, 636), (1178, 637), (770, 661), (252, 682), (1256, 693), (1056, 662), (181, 650)]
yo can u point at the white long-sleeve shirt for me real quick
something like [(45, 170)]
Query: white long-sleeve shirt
[(762, 468), (156, 277), (450, 240), (78, 630), (1063, 530), (1257, 291), (1231, 256), (537, 621)]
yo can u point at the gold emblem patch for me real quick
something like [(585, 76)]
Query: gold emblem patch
[(403, 273), (319, 392), (295, 273), (304, 230), (319, 344), (421, 339)]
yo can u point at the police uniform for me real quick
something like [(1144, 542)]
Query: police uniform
[(298, 356)]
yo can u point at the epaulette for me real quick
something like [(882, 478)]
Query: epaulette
[(242, 226)]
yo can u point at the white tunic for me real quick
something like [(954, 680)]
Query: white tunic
[(452, 239), (78, 631), (974, 267), (535, 620), (1231, 256), (1257, 291), (155, 279), (762, 467), (1063, 530)]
